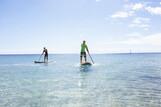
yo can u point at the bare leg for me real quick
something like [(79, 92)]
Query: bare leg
[(81, 59), (85, 58)]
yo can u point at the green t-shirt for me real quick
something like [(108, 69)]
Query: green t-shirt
[(83, 47)]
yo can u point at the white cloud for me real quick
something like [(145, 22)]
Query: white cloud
[(153, 40), (154, 10), (140, 22), (134, 7), (131, 9), (137, 6), (144, 26), (122, 14), (135, 42)]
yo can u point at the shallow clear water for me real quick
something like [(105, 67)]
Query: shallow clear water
[(115, 80)]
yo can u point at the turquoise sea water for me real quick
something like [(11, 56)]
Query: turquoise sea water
[(115, 80)]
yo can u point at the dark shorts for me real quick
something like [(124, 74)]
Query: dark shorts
[(46, 55), (83, 54)]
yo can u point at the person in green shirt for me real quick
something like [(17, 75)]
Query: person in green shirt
[(84, 48)]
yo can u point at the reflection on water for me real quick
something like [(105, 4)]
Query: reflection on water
[(85, 68)]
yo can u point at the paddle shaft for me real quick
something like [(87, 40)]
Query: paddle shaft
[(91, 57), (40, 57)]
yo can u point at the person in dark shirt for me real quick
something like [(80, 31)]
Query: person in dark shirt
[(45, 52)]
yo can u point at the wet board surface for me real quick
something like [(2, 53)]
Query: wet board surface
[(86, 63)]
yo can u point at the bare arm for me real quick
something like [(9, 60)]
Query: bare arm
[(43, 52), (87, 49)]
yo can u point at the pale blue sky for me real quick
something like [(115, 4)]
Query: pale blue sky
[(108, 26)]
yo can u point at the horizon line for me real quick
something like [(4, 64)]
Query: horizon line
[(79, 53)]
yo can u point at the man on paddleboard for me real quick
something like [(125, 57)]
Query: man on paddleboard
[(84, 48), (45, 52)]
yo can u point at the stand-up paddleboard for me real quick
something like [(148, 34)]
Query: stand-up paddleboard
[(86, 63), (39, 62)]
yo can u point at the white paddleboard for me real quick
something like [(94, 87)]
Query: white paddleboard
[(86, 63)]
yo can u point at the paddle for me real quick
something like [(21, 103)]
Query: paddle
[(91, 57), (40, 57)]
